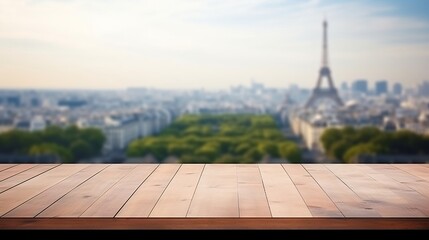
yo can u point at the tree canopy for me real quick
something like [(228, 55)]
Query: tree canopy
[(218, 138), (347, 143), (69, 144)]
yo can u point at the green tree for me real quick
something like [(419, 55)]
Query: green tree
[(178, 149), (81, 149), (268, 149), (209, 138), (360, 149), (94, 137), (253, 155), (338, 149), (329, 137), (55, 134), (227, 158), (137, 149), (190, 158), (51, 149), (290, 152), (17, 141), (243, 148)]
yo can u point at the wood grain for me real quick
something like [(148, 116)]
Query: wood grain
[(37, 204), (144, 199), (252, 199), (283, 197), (213, 196), (24, 176), (419, 185), (111, 202), (216, 194), (216, 223), (14, 169), (347, 201), (176, 199), (315, 198), (74, 203), (372, 192), (415, 170), (21, 193), (4, 166), (413, 199)]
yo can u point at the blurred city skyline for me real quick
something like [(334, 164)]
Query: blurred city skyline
[(167, 44)]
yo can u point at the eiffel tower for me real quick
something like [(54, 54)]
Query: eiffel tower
[(318, 91)]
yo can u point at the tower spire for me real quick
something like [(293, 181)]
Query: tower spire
[(325, 44)]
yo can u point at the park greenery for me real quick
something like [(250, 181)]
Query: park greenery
[(218, 139), (68, 144), (348, 143)]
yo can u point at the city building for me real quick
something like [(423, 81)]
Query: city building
[(381, 87), (37, 123), (360, 86), (397, 89), (344, 86), (423, 89)]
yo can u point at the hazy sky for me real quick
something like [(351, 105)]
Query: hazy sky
[(210, 44)]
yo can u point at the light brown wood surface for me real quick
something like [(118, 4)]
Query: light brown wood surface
[(144, 199), (347, 201), (42, 193), (26, 190), (79, 199), (318, 202), (283, 196), (37, 204), (216, 194), (252, 200), (176, 199), (24, 176)]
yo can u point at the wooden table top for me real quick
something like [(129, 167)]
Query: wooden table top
[(214, 196)]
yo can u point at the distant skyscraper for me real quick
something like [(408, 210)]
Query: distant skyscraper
[(381, 87), (423, 88), (397, 89), (344, 86), (360, 86)]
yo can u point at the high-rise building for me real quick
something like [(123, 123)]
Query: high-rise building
[(360, 86), (424, 88), (344, 86), (397, 89), (381, 87)]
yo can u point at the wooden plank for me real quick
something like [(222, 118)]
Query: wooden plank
[(12, 171), (24, 176), (414, 169), (215, 223), (144, 199), (21, 193), (419, 185), (37, 204), (216, 194), (4, 166), (111, 202), (176, 199), (412, 197), (79, 199), (384, 201), (283, 197), (252, 200), (315, 198), (350, 204)]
